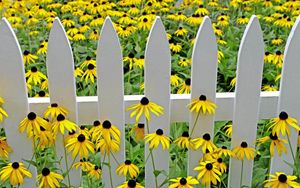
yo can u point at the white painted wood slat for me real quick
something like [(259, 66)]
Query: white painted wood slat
[(157, 90), (204, 78), (111, 91), (62, 89), (289, 98), (246, 104), (13, 90)]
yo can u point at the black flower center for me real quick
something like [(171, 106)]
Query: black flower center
[(183, 181), (82, 127), (91, 66), (244, 145), (202, 98), (81, 138), (145, 20), (128, 162), (131, 183), (267, 53), (26, 52), (96, 123), (33, 69), (209, 166), (159, 132), (72, 132), (31, 116), (187, 82), (42, 93), (88, 58), (144, 101), (278, 53), (106, 124), (206, 137), (54, 105), (220, 160), (224, 147), (131, 55), (185, 134), (15, 165), (273, 137), (45, 171), (60, 117), (283, 115), (42, 128), (282, 178), (141, 125), (96, 167)]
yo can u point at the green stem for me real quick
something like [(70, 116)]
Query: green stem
[(66, 161), (110, 174), (152, 158), (103, 159), (291, 149), (195, 124), (34, 150), (71, 166), (115, 158), (241, 179)]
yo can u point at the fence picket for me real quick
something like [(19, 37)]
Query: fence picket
[(247, 95), (204, 77), (289, 98), (157, 89), (62, 89), (13, 90), (110, 91)]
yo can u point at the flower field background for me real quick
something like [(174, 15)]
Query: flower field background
[(32, 20)]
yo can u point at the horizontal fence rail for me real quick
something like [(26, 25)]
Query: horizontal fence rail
[(87, 106), (244, 107)]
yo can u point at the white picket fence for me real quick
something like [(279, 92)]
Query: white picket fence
[(245, 107)]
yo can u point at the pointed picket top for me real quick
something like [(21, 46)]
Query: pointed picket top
[(157, 90), (289, 98), (203, 82), (247, 98), (13, 90), (110, 91), (62, 89)]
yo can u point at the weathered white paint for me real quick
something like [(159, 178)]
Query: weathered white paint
[(246, 104), (110, 91), (204, 78), (62, 89), (157, 90), (13, 90), (289, 97)]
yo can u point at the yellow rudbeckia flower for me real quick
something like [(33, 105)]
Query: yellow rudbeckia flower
[(15, 172), (157, 138), (145, 107), (49, 179), (243, 151), (280, 180), (188, 182), (281, 124), (128, 168), (202, 105)]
